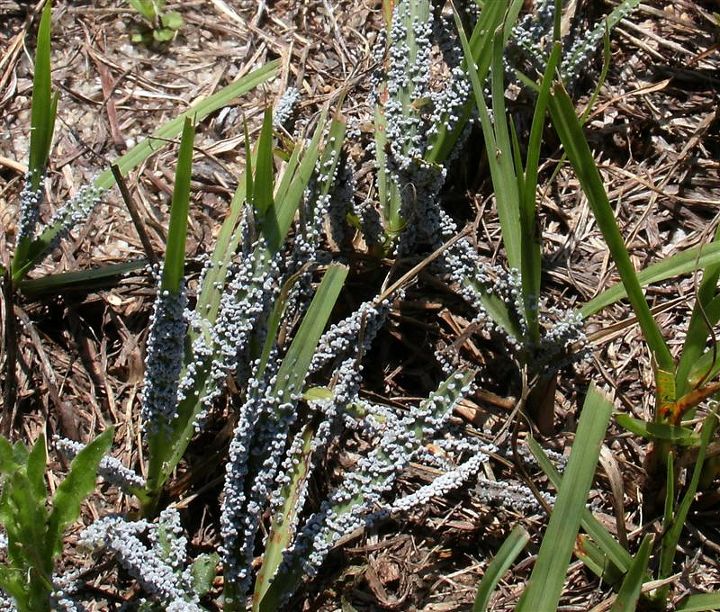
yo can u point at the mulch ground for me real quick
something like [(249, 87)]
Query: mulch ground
[(654, 132)]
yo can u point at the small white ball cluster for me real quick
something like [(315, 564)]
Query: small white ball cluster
[(285, 107), (164, 360), (158, 571), (111, 469), (30, 202), (76, 209)]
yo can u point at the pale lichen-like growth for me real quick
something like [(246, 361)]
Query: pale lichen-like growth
[(164, 360), (30, 201), (111, 469), (157, 564), (76, 209), (285, 107), (532, 38), (360, 500)]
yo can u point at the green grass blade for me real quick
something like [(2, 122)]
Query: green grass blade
[(227, 242), (497, 145), (548, 576), (629, 594), (164, 458), (42, 123), (81, 280), (285, 519), (78, 484), (157, 141), (700, 602), (388, 192), (293, 370), (672, 535), (480, 50), (290, 381), (696, 258), (530, 240), (675, 434), (442, 401), (513, 545), (570, 132), (698, 332), (597, 561), (174, 264), (262, 191), (42, 116), (286, 204), (616, 555)]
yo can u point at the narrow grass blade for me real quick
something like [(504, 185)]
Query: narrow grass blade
[(597, 561), (672, 535), (700, 324), (78, 484), (80, 280), (530, 239), (500, 158), (570, 132), (629, 594), (497, 144), (686, 262), (262, 190), (442, 401), (547, 579), (163, 457), (157, 141), (616, 555), (480, 52), (681, 436), (701, 602), (174, 265), (287, 202), (513, 545), (44, 106), (285, 519), (42, 124), (289, 383), (294, 367), (388, 192)]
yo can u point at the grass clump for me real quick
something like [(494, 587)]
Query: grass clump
[(271, 337)]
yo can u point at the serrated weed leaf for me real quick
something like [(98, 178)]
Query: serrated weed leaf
[(37, 461), (76, 486)]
